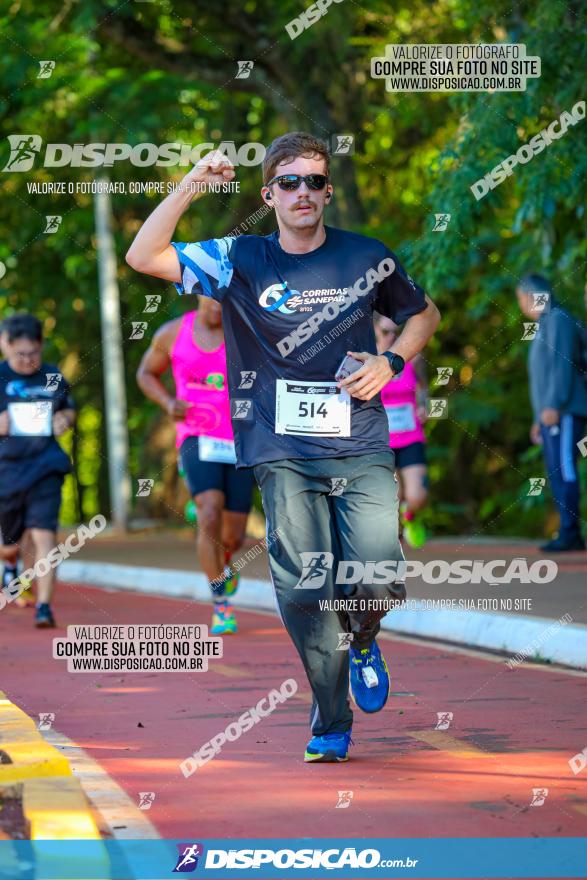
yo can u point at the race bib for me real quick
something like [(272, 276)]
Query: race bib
[(312, 409), (31, 419), (400, 418), (214, 449)]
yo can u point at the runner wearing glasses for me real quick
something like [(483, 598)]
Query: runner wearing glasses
[(295, 304)]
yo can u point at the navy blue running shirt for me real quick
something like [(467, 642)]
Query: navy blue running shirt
[(24, 460), (293, 317)]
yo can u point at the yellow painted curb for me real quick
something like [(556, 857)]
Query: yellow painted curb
[(53, 800), (57, 809), (30, 759)]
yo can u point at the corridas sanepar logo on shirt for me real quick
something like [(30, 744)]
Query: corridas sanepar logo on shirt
[(279, 297)]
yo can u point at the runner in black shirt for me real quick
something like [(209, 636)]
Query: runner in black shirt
[(35, 408), (294, 304)]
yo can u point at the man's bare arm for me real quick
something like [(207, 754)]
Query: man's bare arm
[(152, 252)]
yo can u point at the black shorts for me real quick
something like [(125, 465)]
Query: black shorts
[(415, 453), (35, 508), (201, 476)]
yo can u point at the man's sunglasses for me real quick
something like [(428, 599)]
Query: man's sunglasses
[(290, 182)]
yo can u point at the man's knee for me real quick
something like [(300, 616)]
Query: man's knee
[(233, 541), (43, 540), (209, 519), (9, 552)]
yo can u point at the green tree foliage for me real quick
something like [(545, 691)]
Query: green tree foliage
[(159, 72)]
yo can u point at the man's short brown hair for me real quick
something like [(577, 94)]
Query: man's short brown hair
[(289, 146)]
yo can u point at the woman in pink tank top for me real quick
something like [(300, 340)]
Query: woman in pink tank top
[(404, 401), (193, 347), (200, 380)]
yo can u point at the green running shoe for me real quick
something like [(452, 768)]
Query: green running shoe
[(413, 531), (232, 580)]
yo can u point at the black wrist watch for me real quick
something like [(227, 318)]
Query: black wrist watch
[(396, 362)]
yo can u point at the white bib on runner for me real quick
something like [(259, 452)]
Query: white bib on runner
[(214, 449), (400, 417), (320, 409), (31, 418)]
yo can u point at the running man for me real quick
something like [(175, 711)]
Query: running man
[(35, 408), (303, 431), (404, 399), (193, 346)]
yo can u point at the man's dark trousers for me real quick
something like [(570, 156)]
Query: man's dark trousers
[(559, 443), (330, 509)]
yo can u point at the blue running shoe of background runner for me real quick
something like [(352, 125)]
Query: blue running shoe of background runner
[(369, 678)]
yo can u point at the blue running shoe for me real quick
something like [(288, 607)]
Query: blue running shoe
[(330, 748), (44, 616), (369, 678)]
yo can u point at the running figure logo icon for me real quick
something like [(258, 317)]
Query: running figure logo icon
[(24, 148), (42, 410), (444, 719), (537, 484), (338, 484), (52, 381), (244, 69), (46, 719), (344, 800), (436, 408), (343, 144), (53, 222), (152, 301), (314, 568), (443, 375), (344, 641), (146, 799), (242, 409), (138, 329), (189, 853), (145, 487), (540, 301), (46, 69), (247, 378), (530, 330), (539, 795), (441, 222)]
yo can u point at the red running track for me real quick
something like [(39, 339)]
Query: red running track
[(512, 731)]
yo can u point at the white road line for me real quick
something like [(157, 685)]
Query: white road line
[(120, 815)]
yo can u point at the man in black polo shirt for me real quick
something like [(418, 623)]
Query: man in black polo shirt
[(294, 304), (35, 408)]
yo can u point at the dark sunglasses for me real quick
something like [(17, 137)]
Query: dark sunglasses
[(290, 182)]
